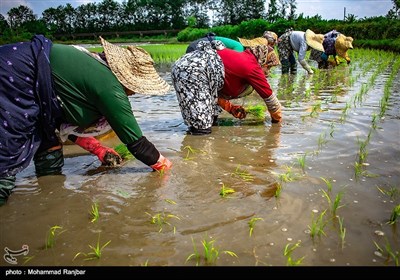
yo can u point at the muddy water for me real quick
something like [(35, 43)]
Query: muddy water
[(157, 219)]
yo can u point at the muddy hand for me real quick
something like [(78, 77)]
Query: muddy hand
[(111, 159)]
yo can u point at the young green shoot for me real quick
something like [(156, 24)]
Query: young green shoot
[(191, 151), (278, 190), (390, 253), (252, 223), (94, 213), (123, 151), (317, 225), (210, 253), (302, 161), (51, 235), (342, 231), (289, 248), (224, 192), (328, 183), (96, 251), (393, 193), (257, 111), (395, 215), (161, 219), (243, 174)]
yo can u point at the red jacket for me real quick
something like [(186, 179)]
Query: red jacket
[(241, 70)]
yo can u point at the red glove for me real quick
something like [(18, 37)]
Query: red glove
[(106, 155), (235, 110), (162, 164)]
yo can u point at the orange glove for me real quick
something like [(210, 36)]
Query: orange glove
[(276, 116), (106, 155), (162, 164), (235, 110)]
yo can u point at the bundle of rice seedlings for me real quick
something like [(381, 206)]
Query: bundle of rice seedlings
[(256, 110), (123, 151)]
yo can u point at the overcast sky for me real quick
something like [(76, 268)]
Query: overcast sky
[(328, 9)]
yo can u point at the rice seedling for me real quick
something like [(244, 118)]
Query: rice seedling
[(317, 225), (390, 253), (288, 175), (342, 232), (224, 192), (393, 193), (161, 219), (167, 53), (374, 120), (278, 190), (27, 259), (94, 213), (394, 215), (96, 251), (210, 252), (362, 152), (51, 235), (322, 140), (243, 174), (170, 201), (287, 252), (257, 111), (123, 151), (358, 169), (315, 109), (336, 203), (328, 183), (302, 161), (146, 263), (190, 151), (332, 129), (252, 224)]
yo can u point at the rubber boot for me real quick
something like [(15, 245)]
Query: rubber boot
[(7, 184), (285, 66), (49, 162)]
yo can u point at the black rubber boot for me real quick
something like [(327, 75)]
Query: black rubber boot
[(49, 162), (7, 184), (199, 131)]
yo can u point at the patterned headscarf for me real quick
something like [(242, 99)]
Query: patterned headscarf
[(271, 37), (261, 53)]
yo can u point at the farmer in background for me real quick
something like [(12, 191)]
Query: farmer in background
[(44, 85), (297, 41), (335, 44), (228, 42), (269, 39), (211, 75)]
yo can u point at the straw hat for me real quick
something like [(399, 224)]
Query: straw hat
[(342, 44), (134, 68), (314, 40), (253, 42)]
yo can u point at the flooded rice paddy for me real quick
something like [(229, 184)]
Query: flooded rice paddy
[(320, 189)]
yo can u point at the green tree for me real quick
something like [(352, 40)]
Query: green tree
[(20, 15), (394, 13), (3, 24), (272, 13), (292, 9)]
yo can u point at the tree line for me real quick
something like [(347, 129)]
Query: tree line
[(131, 15)]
